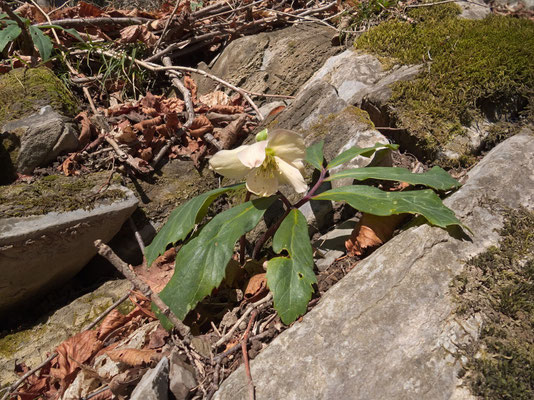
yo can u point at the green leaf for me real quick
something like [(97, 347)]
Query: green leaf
[(201, 263), (436, 178), (8, 34), (291, 278), (70, 31), (371, 200), (42, 42), (354, 152), (182, 221), (314, 155)]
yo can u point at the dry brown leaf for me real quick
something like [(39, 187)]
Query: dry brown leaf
[(88, 10), (227, 109), (125, 135), (276, 110), (74, 351), (134, 33), (190, 84), (229, 135), (200, 126), (215, 98), (256, 288), (112, 321), (157, 276), (87, 128), (134, 357), (146, 154), (372, 231), (158, 338), (172, 105), (121, 385), (141, 126)]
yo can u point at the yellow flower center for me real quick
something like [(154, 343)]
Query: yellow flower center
[(269, 167)]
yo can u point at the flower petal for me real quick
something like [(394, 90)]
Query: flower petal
[(291, 174), (262, 182), (253, 155), (286, 144), (226, 163)]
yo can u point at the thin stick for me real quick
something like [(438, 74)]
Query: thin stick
[(137, 235), (106, 252), (83, 22), (167, 23), (251, 394), (249, 309)]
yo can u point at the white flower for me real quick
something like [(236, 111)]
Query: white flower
[(265, 164)]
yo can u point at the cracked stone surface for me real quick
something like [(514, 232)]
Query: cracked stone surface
[(278, 62), (388, 329)]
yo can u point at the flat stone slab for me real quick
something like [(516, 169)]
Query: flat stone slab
[(41, 252), (388, 329)]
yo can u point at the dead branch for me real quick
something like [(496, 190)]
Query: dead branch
[(106, 252), (97, 21)]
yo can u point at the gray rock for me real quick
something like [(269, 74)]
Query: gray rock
[(181, 378), (277, 62), (154, 385), (34, 343), (42, 138), (388, 329), (40, 252), (331, 245), (514, 5), (473, 10)]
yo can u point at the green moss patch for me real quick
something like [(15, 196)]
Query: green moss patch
[(23, 91), (474, 69), (56, 193), (499, 284)]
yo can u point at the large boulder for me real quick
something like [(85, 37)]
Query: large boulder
[(47, 230), (278, 62), (388, 330)]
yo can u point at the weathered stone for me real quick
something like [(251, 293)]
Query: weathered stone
[(181, 378), (277, 62), (388, 329), (38, 139), (154, 385), (41, 252), (473, 10), (331, 245), (34, 343)]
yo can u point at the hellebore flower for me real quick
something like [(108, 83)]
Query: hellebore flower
[(265, 164)]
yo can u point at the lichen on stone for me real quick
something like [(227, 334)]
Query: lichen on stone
[(499, 285), (474, 69), (56, 193)]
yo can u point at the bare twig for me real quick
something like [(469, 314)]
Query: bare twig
[(137, 235), (98, 21), (106, 252), (166, 27), (247, 312), (251, 394)]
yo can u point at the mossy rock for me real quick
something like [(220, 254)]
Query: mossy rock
[(23, 91), (55, 193), (499, 285), (476, 70)]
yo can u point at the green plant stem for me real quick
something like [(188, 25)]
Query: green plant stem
[(312, 191), (284, 199), (243, 239), (271, 231)]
